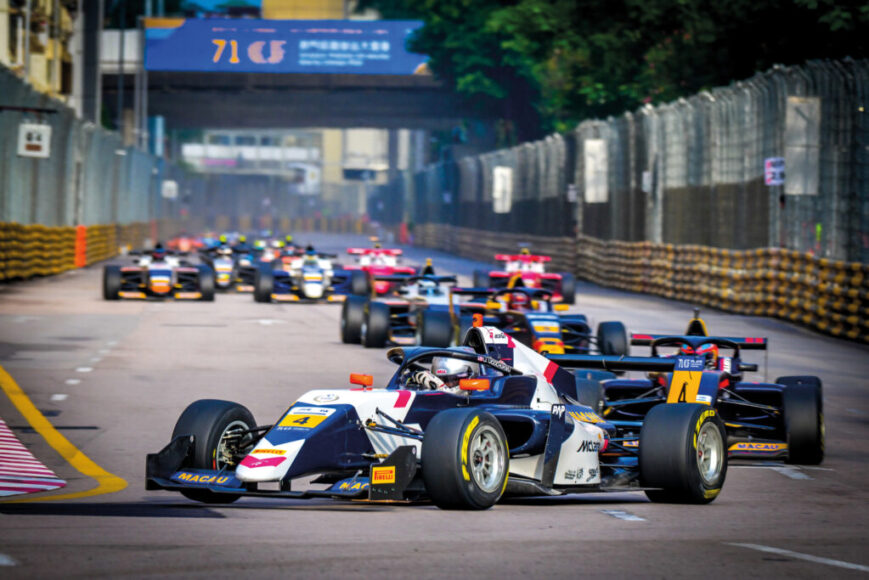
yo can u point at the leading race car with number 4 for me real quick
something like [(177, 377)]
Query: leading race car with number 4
[(460, 426)]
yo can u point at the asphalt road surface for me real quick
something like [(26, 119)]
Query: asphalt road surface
[(112, 378)]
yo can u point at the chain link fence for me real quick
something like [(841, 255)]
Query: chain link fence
[(778, 160)]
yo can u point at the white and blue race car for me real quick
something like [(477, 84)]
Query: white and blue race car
[(459, 426)]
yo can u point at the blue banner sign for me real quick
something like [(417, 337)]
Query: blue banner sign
[(282, 46)]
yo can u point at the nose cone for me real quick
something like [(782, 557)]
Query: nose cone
[(267, 463)]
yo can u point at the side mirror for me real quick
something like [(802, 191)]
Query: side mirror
[(360, 379), (474, 384)]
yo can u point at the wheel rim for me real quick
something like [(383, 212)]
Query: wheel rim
[(710, 453), (223, 454), (487, 459)]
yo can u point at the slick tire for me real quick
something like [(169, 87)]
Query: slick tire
[(683, 452), (360, 285), (263, 284), (612, 339), (435, 328), (206, 283), (210, 421), (352, 317), (568, 288), (375, 329), (111, 282), (481, 279), (465, 460), (804, 419)]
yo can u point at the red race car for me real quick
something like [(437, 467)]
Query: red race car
[(379, 261), (530, 269)]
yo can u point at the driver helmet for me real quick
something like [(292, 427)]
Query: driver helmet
[(452, 370), (288, 239), (159, 252)]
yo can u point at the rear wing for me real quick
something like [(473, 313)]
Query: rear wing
[(374, 252), (469, 291), (521, 258), (747, 343), (631, 363)]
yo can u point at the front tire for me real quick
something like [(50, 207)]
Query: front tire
[(111, 282), (376, 326), (683, 452), (568, 288), (804, 419), (465, 460), (435, 328), (612, 339), (212, 423), (263, 284), (352, 317), (206, 283), (360, 285)]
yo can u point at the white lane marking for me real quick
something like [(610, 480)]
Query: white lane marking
[(112, 343), (96, 359), (7, 560), (104, 351), (792, 472), (268, 321), (84, 369), (72, 381), (627, 516), (799, 556), (58, 397)]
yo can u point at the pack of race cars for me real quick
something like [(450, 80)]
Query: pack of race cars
[(499, 391)]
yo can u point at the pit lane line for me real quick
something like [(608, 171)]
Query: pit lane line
[(106, 482), (800, 556)]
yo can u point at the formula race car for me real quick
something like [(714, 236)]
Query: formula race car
[(159, 274), (530, 269), (529, 316), (379, 262), (783, 419), (309, 276), (460, 426), (418, 313)]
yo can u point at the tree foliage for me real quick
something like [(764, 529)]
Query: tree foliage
[(547, 64)]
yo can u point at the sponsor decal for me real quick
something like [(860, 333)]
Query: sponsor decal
[(586, 417), (188, 295), (244, 288), (382, 475), (270, 451), (684, 386), (756, 447), (327, 398), (253, 462), (558, 410), (305, 417), (123, 294), (570, 474), (690, 363), (546, 327), (353, 486), (201, 478), (592, 473), (703, 416), (631, 443), (589, 447), (726, 364), (704, 399), (465, 440)]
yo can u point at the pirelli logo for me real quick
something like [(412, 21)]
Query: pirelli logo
[(383, 475)]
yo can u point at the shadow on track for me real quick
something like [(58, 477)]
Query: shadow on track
[(125, 510)]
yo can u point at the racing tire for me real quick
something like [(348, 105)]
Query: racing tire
[(589, 392), (352, 317), (435, 328), (612, 339), (481, 279), (263, 284), (206, 283), (568, 288), (375, 328), (683, 452), (209, 421), (465, 459), (803, 405), (111, 282), (360, 285)]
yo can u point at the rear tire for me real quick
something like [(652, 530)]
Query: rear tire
[(352, 317), (360, 285), (481, 279), (683, 452), (206, 283), (568, 288), (612, 339), (435, 328), (375, 331), (111, 282), (804, 419), (209, 421), (263, 284), (465, 460)]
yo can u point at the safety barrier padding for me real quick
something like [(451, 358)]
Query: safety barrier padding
[(829, 296), (35, 250)]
